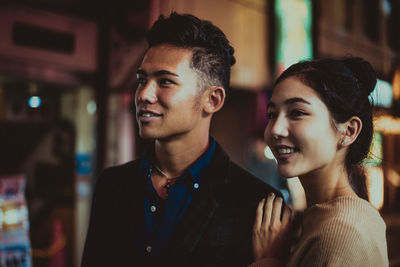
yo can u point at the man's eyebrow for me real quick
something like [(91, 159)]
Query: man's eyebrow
[(140, 71), (157, 73), (290, 101)]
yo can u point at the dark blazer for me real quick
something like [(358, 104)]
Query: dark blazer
[(216, 230)]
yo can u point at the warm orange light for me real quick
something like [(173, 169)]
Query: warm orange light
[(396, 84), (387, 124), (375, 185), (393, 177)]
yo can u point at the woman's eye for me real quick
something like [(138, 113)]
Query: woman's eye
[(271, 115), (297, 113)]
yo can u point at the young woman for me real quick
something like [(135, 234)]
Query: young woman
[(320, 130)]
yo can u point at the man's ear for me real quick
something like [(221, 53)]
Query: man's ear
[(214, 99), (351, 130)]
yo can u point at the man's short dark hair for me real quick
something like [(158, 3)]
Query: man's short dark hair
[(212, 54)]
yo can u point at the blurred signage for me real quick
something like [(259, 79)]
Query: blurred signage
[(83, 163), (293, 32), (41, 37), (382, 96), (14, 224)]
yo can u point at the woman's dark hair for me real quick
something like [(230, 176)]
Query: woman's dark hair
[(212, 53), (344, 86)]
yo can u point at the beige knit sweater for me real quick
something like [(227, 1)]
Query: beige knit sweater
[(346, 231)]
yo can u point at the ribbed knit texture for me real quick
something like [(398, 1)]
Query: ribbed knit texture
[(346, 231)]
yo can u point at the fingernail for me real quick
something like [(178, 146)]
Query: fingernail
[(271, 194)]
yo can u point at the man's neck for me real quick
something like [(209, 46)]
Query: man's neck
[(174, 156)]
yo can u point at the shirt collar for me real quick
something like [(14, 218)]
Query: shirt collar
[(195, 170)]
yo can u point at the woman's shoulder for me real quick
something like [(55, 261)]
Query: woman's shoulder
[(346, 228), (347, 208), (350, 210), (344, 215)]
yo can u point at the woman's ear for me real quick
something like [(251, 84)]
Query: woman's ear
[(351, 130), (214, 99)]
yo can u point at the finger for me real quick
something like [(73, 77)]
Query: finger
[(268, 209), (276, 211), (287, 215), (259, 214)]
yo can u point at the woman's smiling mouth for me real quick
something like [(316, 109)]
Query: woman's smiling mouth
[(284, 152)]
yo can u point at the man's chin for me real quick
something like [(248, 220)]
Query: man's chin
[(147, 135)]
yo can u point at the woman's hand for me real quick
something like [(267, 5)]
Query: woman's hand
[(271, 234)]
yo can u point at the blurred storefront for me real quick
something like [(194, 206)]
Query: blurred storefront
[(47, 130)]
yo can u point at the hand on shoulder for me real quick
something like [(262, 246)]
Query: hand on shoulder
[(272, 231)]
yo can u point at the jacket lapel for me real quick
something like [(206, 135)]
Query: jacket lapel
[(203, 206), (132, 199)]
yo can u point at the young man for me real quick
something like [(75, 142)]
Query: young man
[(184, 202)]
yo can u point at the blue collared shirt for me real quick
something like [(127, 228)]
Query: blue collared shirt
[(162, 216)]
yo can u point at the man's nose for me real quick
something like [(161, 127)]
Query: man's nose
[(147, 93)]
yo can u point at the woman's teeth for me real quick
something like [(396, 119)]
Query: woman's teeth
[(285, 150)]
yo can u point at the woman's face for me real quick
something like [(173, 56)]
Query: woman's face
[(300, 132)]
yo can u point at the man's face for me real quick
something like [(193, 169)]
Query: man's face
[(168, 98)]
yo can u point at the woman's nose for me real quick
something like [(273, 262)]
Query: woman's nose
[(278, 127)]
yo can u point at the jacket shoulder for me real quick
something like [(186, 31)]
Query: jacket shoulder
[(119, 173), (248, 183), (134, 164), (239, 180)]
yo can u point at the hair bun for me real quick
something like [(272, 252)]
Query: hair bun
[(364, 73)]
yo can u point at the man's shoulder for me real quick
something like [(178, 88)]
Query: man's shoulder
[(240, 175), (237, 171), (119, 173), (121, 168)]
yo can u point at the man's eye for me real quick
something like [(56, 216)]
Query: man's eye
[(165, 81), (141, 81)]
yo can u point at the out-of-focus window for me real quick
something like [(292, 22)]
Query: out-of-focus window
[(343, 14), (393, 24), (372, 19)]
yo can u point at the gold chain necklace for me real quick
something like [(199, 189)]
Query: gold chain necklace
[(168, 185)]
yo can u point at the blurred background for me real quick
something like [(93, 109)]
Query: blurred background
[(67, 79)]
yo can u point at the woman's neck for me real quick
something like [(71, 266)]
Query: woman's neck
[(321, 186)]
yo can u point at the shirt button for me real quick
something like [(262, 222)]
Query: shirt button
[(196, 185), (153, 208), (148, 249)]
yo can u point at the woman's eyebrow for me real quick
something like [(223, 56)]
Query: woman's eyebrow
[(290, 101)]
